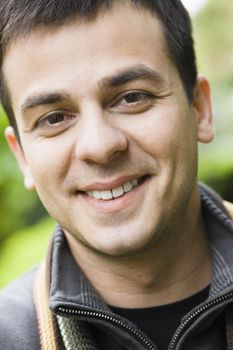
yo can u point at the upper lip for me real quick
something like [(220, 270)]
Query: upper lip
[(108, 185)]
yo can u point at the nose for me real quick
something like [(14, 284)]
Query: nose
[(99, 140)]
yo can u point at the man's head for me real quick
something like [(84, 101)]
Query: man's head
[(108, 133), (20, 18)]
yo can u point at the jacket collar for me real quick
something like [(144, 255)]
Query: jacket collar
[(220, 234), (70, 287), (68, 284)]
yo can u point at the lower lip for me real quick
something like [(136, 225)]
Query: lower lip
[(116, 204)]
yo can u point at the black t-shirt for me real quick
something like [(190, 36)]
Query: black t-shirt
[(160, 323)]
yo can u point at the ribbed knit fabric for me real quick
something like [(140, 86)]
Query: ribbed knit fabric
[(75, 334)]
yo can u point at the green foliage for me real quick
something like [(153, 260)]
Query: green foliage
[(213, 28), (24, 248), (216, 168), (18, 207), (213, 33)]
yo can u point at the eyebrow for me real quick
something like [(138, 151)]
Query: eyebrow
[(120, 78), (131, 74), (43, 99)]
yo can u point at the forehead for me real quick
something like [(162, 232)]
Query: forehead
[(120, 36)]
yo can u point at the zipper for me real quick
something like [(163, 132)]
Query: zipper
[(184, 325), (101, 316), (141, 339)]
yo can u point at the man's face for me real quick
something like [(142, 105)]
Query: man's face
[(108, 136)]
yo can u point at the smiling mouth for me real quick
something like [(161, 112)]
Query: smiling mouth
[(117, 192)]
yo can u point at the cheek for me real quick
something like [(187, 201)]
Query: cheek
[(168, 136), (47, 160), (157, 136)]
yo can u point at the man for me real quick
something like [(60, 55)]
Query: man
[(106, 110)]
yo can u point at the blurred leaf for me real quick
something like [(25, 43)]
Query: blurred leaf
[(24, 249), (18, 207)]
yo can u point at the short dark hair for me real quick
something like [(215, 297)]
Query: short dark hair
[(18, 18)]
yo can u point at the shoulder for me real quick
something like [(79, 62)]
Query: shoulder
[(18, 324)]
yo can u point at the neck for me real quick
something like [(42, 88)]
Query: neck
[(168, 271)]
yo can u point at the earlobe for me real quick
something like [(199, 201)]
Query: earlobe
[(203, 109), (17, 151)]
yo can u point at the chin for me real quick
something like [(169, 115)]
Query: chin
[(123, 248)]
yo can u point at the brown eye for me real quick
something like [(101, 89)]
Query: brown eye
[(136, 97), (133, 102), (55, 118), (55, 123)]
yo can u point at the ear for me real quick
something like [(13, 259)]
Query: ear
[(203, 109), (19, 155)]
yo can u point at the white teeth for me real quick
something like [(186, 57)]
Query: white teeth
[(106, 194), (97, 194), (128, 186), (115, 192)]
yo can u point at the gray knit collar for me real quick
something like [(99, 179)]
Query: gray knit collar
[(220, 234), (68, 283)]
